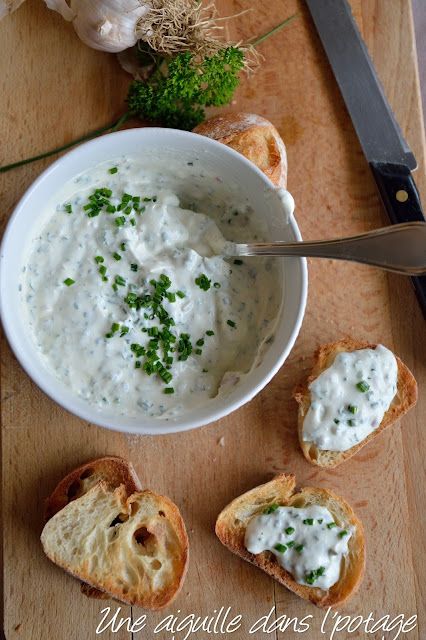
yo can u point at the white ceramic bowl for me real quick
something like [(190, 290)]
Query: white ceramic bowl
[(228, 164)]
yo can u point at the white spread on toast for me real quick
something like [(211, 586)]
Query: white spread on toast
[(160, 235), (350, 398), (306, 542)]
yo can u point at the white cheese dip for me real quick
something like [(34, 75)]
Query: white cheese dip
[(306, 542), (89, 274), (350, 398)]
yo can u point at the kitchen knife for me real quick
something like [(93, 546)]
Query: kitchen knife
[(389, 156)]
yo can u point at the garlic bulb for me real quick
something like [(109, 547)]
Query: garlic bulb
[(108, 25), (8, 6)]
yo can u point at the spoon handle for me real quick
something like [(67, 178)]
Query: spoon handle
[(400, 248)]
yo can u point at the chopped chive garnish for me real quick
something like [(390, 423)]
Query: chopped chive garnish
[(289, 530), (99, 259), (198, 352), (111, 209), (280, 547), (123, 246), (68, 208), (231, 323), (290, 543), (200, 342), (299, 548), (314, 575), (117, 256), (209, 333), (119, 280), (216, 285), (132, 222), (69, 282), (134, 266), (343, 533), (270, 509), (238, 262), (363, 386), (102, 270), (128, 210), (109, 335), (336, 420), (115, 326), (105, 278), (308, 521), (331, 525), (114, 286), (124, 330), (320, 521), (120, 221), (169, 390), (203, 282), (137, 364), (180, 294), (352, 408), (352, 423), (171, 296), (113, 170), (205, 370)]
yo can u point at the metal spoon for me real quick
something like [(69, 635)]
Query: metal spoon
[(400, 248)]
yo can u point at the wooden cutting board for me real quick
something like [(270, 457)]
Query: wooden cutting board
[(53, 89)]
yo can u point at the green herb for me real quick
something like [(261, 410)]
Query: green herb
[(171, 296), (352, 408), (115, 327), (336, 420), (134, 266), (209, 333), (133, 222), (273, 507), (114, 286), (102, 270), (200, 342), (308, 521), (105, 279), (320, 521), (216, 285), (198, 352), (331, 525), (343, 533), (352, 423), (238, 262), (68, 208), (117, 256), (314, 575), (299, 548), (124, 330), (289, 530), (290, 543), (363, 386), (113, 170), (69, 282), (120, 221), (169, 390), (203, 282), (180, 294), (123, 246), (231, 323), (110, 208), (280, 547), (119, 280), (99, 259), (137, 364)]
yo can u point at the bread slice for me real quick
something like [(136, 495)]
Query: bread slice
[(134, 548), (233, 520), (405, 398), (114, 471), (255, 138), (111, 469)]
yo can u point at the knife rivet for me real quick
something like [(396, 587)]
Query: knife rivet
[(401, 195)]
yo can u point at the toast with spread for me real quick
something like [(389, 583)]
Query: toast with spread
[(255, 138), (264, 501), (122, 541), (405, 397)]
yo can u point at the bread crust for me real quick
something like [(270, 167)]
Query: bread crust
[(111, 469), (255, 138), (324, 356), (232, 522), (115, 553)]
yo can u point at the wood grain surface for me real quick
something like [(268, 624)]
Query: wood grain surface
[(52, 89)]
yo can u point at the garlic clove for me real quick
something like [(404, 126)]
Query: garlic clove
[(61, 7)]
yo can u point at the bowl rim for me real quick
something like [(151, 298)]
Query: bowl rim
[(28, 362)]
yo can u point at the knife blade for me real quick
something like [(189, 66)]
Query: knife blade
[(388, 154)]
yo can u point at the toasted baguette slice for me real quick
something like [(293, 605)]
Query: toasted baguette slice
[(406, 397), (233, 520), (255, 138), (134, 548), (111, 469)]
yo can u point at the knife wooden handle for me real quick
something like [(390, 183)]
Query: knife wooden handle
[(402, 203)]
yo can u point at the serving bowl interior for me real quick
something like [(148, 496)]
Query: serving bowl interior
[(229, 167)]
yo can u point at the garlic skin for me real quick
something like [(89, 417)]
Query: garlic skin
[(8, 6), (107, 25)]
